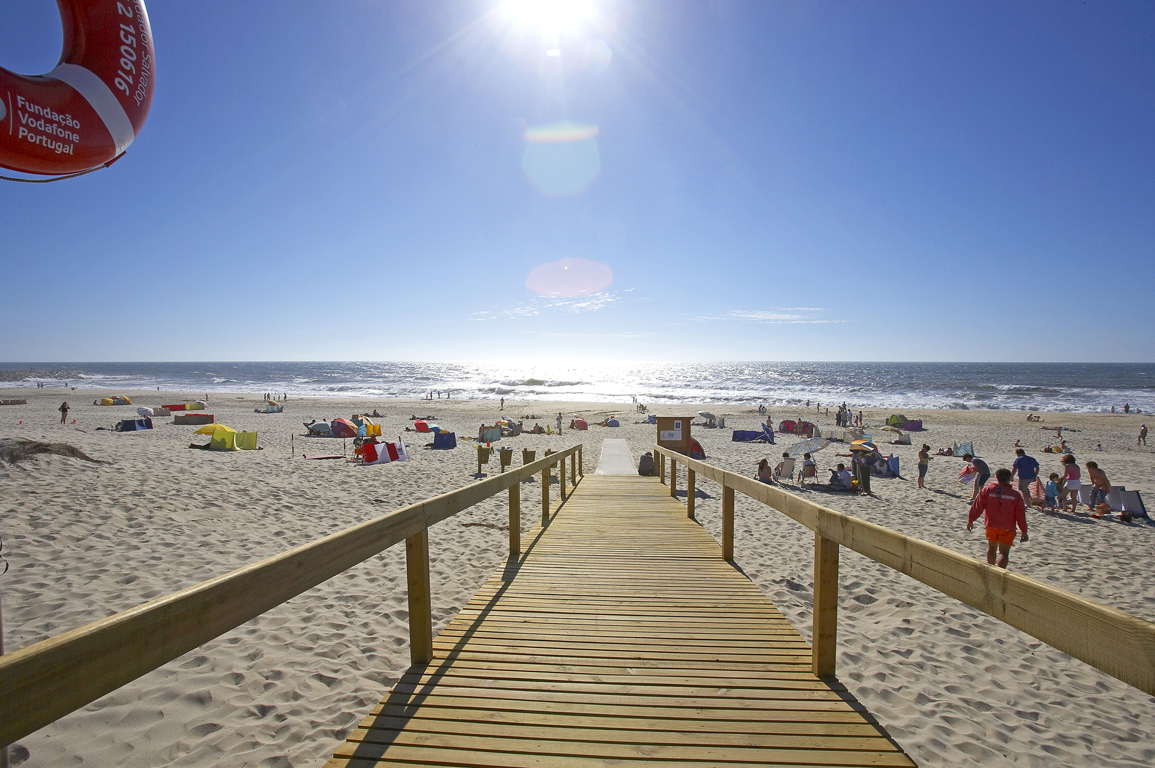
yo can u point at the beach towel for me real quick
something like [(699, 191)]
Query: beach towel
[(384, 453), (444, 441)]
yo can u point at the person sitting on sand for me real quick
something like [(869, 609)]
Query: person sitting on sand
[(1003, 509), (765, 474), (840, 479)]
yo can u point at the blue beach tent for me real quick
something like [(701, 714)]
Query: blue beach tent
[(444, 441)]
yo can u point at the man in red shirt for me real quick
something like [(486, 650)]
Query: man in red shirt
[(1004, 508)]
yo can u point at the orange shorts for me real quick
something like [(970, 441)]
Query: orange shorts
[(1000, 536)]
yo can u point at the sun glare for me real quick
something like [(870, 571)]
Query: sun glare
[(550, 16)]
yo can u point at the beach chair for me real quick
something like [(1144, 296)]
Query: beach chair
[(1133, 503), (787, 471), (809, 471)]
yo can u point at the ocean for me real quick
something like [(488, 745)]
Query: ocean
[(1015, 386)]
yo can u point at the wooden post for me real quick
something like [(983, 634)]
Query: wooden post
[(573, 473), (3, 746), (691, 478), (662, 468), (545, 497), (561, 477), (824, 640), (673, 478), (515, 522), (420, 611), (581, 462), (728, 523)]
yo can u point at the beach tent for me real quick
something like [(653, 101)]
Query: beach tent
[(384, 453), (750, 436), (145, 412), (319, 429), (896, 420), (342, 428), (491, 435), (270, 408), (961, 448), (651, 419), (421, 426), (696, 451), (892, 466), (444, 441), (913, 425), (580, 423), (134, 425), (612, 423), (115, 400)]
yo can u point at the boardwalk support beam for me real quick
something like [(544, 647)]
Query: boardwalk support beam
[(514, 522), (728, 523), (824, 639), (420, 612), (690, 491)]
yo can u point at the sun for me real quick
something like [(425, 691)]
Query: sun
[(550, 16)]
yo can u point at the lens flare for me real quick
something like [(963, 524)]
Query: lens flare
[(561, 159), (569, 277)]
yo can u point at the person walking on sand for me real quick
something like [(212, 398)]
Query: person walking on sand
[(64, 409), (1028, 471), (923, 463), (1101, 486), (1003, 508), (982, 473), (502, 404), (1142, 434)]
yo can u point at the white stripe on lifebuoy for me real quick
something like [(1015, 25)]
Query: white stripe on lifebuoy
[(101, 99)]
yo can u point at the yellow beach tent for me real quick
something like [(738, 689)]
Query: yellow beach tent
[(228, 439)]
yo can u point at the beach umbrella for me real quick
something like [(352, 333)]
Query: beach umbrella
[(895, 430), (211, 429), (809, 445), (863, 445)]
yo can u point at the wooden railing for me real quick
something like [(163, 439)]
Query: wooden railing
[(1110, 640), (45, 681)]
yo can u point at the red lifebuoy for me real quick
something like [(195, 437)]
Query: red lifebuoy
[(86, 111)]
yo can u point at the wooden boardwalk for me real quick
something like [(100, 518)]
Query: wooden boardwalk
[(621, 637)]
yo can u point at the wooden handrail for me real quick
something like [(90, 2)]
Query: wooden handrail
[(1108, 639), (45, 681)]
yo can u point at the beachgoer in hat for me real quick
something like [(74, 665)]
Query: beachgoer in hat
[(1003, 508)]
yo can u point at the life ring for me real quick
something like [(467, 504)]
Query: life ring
[(85, 112)]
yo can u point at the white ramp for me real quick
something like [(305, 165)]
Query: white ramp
[(616, 459)]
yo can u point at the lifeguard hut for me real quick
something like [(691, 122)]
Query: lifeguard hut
[(674, 433)]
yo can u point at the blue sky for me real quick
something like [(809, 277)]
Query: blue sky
[(758, 180)]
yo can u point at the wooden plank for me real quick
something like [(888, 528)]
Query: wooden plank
[(622, 636), (420, 606)]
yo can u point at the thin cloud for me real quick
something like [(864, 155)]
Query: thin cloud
[(773, 316), (535, 307)]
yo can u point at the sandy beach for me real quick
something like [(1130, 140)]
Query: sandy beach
[(952, 686)]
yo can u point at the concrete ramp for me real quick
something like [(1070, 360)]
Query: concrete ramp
[(616, 459)]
